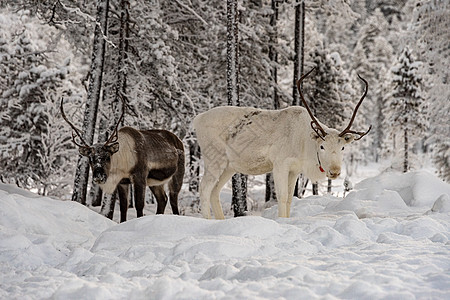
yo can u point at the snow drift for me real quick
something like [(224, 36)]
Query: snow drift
[(387, 239)]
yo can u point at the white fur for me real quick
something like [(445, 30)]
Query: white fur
[(255, 141), (122, 162)]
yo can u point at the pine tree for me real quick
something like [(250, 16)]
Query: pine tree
[(323, 90), (33, 147), (429, 35), (372, 59), (407, 111)]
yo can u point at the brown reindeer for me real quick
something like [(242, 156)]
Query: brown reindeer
[(153, 158)]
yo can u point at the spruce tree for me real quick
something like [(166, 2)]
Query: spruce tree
[(407, 110), (372, 58), (32, 148), (429, 35)]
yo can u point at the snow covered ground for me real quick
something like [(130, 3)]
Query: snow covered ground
[(388, 239)]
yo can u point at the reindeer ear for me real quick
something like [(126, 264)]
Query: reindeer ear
[(85, 151), (113, 148), (348, 137)]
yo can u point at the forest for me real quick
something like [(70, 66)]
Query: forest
[(169, 61)]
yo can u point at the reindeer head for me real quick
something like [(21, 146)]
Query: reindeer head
[(99, 154), (331, 143)]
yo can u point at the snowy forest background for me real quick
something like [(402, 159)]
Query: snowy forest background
[(168, 59)]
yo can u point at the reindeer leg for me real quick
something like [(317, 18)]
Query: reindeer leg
[(211, 184), (292, 180), (122, 189), (215, 194), (281, 179), (173, 196), (206, 186), (139, 196), (175, 184), (161, 198)]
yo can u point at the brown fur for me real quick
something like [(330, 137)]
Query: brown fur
[(153, 158)]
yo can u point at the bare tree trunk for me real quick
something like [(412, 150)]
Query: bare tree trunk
[(124, 34), (299, 46), (97, 194), (194, 167), (270, 188), (315, 188), (273, 56), (90, 115), (239, 181), (405, 161), (108, 203), (304, 182)]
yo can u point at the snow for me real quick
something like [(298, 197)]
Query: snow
[(389, 239)]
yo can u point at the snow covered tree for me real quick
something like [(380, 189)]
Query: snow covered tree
[(34, 147), (323, 92), (407, 110), (372, 58), (429, 35)]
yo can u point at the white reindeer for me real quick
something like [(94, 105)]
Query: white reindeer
[(254, 141)]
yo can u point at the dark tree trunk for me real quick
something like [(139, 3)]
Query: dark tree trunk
[(273, 56), (270, 188), (90, 115), (315, 188), (405, 160), (194, 167), (304, 182), (106, 125), (299, 42), (108, 203), (299, 45), (119, 89), (239, 181)]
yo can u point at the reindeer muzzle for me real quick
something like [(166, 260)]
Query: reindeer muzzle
[(99, 176), (334, 173)]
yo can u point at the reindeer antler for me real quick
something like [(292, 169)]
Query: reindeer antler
[(314, 123), (347, 130), (85, 145), (113, 138)]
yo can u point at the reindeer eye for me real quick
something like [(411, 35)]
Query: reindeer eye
[(321, 147), (343, 148)]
